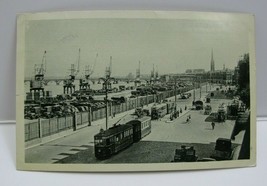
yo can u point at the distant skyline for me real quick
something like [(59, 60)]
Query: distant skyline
[(172, 45)]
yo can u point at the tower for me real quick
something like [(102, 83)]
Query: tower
[(138, 75), (212, 65)]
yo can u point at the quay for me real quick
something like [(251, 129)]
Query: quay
[(159, 146)]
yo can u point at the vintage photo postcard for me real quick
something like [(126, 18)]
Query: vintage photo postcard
[(115, 91)]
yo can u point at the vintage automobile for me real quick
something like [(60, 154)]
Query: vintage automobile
[(221, 113), (207, 110), (184, 96), (185, 154), (199, 105), (223, 150), (118, 100), (139, 111)]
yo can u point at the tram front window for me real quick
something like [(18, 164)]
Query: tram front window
[(99, 142)]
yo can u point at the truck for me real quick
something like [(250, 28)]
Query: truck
[(223, 150), (185, 154), (221, 113), (199, 105), (139, 111)]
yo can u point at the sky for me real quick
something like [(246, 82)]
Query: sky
[(172, 45)]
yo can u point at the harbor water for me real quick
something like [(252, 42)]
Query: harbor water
[(58, 89)]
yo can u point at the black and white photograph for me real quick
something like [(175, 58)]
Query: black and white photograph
[(121, 91)]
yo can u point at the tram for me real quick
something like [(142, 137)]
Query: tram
[(141, 127), (115, 139), (170, 107), (158, 111)]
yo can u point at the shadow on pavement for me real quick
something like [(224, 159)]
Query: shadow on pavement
[(141, 152)]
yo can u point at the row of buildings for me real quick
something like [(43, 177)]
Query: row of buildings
[(223, 76)]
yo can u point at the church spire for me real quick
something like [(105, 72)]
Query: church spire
[(212, 65)]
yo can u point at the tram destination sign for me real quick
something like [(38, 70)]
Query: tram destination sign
[(121, 91)]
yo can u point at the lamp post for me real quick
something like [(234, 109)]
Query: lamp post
[(200, 87), (194, 93), (106, 81), (89, 113), (175, 92)]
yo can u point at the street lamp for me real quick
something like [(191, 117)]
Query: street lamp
[(200, 87), (175, 92), (194, 92)]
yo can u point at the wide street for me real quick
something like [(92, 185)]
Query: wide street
[(158, 146)]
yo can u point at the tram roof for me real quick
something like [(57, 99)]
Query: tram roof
[(144, 118), (141, 119), (159, 105), (113, 130)]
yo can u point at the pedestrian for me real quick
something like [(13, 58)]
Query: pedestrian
[(114, 114), (212, 125), (189, 117), (185, 107), (181, 111)]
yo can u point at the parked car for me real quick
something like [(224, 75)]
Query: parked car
[(223, 150), (221, 113), (118, 100), (185, 154), (199, 105), (184, 96), (207, 110)]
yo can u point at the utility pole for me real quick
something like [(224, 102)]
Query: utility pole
[(175, 92), (106, 100), (200, 87), (194, 95), (106, 81)]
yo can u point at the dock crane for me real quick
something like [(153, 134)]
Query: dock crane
[(108, 72), (74, 71), (108, 69), (69, 86), (36, 85), (84, 83)]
